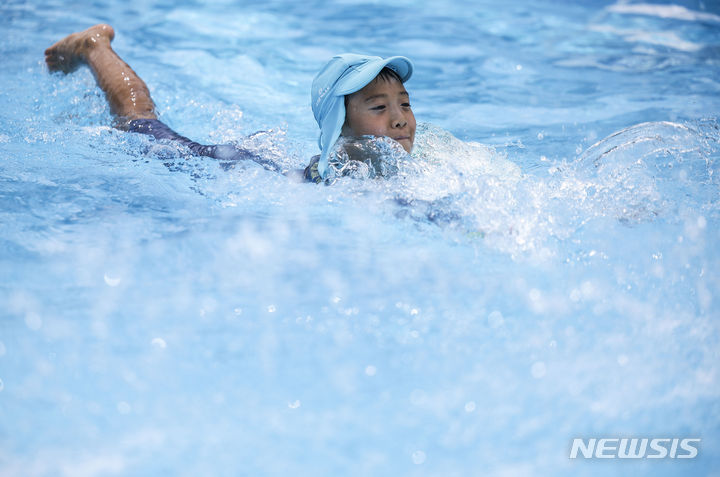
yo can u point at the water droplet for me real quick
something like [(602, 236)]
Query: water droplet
[(418, 457), (295, 404), (370, 370), (238, 311), (622, 360), (2, 349), (540, 136), (271, 309), (111, 281), (534, 294), (123, 407), (159, 343), (2, 385), (470, 406), (538, 370), (33, 321)]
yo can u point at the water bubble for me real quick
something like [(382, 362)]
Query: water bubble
[(111, 281), (271, 309), (538, 370), (495, 319), (587, 289), (540, 136), (129, 376), (33, 321), (159, 343), (470, 406), (2, 385), (534, 294), (418, 457), (238, 311), (370, 370), (123, 407), (575, 295), (295, 404)]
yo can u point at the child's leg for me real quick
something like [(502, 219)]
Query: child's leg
[(127, 94)]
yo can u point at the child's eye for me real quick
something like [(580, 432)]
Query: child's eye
[(406, 105), (378, 108)]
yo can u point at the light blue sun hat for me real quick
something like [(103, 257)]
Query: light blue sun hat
[(342, 75)]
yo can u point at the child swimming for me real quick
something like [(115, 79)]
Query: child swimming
[(353, 96)]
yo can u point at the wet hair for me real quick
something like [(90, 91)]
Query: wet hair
[(386, 74)]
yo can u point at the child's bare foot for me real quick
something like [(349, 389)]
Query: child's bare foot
[(67, 54)]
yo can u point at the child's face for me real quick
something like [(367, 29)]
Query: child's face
[(382, 108)]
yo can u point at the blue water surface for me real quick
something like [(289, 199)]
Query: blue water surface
[(544, 267)]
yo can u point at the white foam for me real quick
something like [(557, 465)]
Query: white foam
[(669, 39), (675, 12)]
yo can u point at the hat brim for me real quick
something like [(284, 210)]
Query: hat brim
[(360, 76)]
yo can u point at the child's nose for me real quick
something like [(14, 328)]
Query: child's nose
[(398, 119)]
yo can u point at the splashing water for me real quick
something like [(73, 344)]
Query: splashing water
[(639, 174)]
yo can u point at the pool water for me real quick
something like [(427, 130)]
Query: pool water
[(543, 267)]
